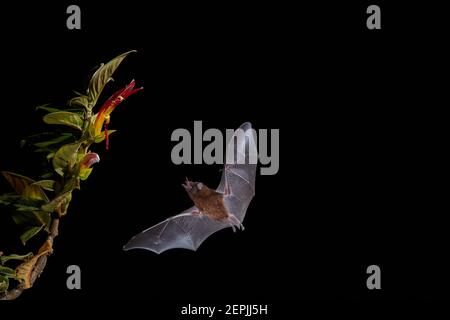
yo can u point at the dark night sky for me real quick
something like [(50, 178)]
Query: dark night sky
[(348, 194)]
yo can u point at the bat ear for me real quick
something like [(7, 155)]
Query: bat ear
[(199, 186)]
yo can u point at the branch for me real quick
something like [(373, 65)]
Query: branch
[(38, 267)]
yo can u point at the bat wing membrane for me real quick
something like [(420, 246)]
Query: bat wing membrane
[(186, 230), (238, 180)]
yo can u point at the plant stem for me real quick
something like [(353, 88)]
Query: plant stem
[(38, 267)]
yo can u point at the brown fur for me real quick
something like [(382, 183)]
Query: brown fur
[(209, 202)]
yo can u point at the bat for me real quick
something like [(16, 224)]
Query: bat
[(213, 210)]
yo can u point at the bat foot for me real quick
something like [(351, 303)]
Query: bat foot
[(235, 223)]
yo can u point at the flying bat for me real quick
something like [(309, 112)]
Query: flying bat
[(213, 210)]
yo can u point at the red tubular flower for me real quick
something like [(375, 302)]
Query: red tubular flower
[(86, 163), (89, 159), (103, 116)]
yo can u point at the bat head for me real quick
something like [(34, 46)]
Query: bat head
[(193, 187)]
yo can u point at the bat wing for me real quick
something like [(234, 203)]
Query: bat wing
[(238, 178), (187, 230)]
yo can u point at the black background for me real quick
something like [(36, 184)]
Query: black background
[(352, 107)]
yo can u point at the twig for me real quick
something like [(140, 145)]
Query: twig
[(38, 267)]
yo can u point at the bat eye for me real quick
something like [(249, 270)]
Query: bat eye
[(199, 186)]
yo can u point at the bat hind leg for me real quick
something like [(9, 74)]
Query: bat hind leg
[(235, 223)]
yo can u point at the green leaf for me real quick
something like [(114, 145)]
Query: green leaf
[(102, 136), (65, 157), (13, 199), (35, 218), (61, 138), (24, 186), (7, 199), (102, 76), (82, 101), (65, 198), (7, 272), (65, 204), (48, 185), (43, 150), (36, 137), (72, 184), (4, 284), (43, 217), (31, 223), (84, 173), (46, 107), (48, 174), (49, 156), (21, 207), (29, 233), (4, 259), (23, 218), (70, 119)]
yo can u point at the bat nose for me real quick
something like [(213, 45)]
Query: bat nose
[(188, 184)]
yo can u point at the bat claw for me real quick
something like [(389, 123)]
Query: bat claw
[(235, 223)]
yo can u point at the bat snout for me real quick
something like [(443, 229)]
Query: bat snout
[(188, 185), (192, 186)]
